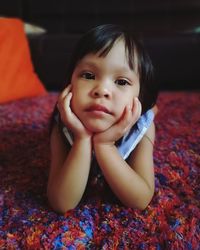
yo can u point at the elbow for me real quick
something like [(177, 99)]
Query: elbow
[(58, 204), (59, 208), (142, 201), (142, 206)]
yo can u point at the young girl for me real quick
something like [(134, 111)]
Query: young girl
[(104, 122)]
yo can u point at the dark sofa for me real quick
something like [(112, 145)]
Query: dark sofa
[(170, 30)]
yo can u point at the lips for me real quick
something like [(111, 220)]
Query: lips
[(98, 108)]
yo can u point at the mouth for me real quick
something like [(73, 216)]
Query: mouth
[(98, 109)]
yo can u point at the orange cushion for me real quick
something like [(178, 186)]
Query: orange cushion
[(17, 76)]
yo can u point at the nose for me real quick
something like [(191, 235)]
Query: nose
[(101, 90)]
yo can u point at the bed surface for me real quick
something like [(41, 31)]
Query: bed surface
[(171, 221)]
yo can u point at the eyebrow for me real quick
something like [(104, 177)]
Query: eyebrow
[(94, 66), (87, 63)]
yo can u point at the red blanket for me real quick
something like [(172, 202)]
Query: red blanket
[(171, 221)]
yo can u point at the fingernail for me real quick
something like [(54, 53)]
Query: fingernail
[(129, 107)]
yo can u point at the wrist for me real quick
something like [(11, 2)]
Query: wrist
[(98, 141), (82, 139), (82, 135), (103, 145)]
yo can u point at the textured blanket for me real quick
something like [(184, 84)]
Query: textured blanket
[(171, 221)]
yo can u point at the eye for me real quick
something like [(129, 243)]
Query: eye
[(88, 75), (122, 82)]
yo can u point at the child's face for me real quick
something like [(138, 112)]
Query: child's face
[(102, 87)]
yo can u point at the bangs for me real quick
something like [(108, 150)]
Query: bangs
[(130, 50)]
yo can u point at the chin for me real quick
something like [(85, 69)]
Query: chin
[(96, 129)]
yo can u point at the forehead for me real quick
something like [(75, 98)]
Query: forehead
[(116, 56)]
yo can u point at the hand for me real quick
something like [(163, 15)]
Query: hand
[(129, 117), (68, 117)]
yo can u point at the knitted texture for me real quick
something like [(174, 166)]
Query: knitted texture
[(171, 221)]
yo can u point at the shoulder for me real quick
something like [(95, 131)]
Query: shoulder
[(148, 139), (143, 128), (150, 134), (141, 158), (146, 145)]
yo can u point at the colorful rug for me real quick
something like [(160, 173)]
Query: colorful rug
[(171, 221)]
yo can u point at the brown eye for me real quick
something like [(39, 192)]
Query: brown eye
[(88, 75), (122, 82)]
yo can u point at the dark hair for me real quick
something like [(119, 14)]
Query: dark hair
[(101, 39)]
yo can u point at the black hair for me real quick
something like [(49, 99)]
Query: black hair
[(101, 40)]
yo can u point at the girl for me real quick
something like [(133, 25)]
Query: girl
[(104, 122)]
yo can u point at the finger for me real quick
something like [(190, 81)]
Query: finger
[(137, 109), (129, 119), (65, 92), (125, 121), (68, 118), (62, 97), (66, 102), (64, 108), (132, 112)]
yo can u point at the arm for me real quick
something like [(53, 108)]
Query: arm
[(69, 168), (132, 181)]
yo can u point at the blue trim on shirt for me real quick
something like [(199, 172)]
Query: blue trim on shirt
[(131, 139)]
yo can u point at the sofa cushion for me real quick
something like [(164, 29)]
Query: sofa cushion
[(17, 76)]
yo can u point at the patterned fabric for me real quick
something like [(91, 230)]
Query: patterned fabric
[(171, 221)]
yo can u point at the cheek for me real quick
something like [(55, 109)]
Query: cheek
[(126, 101), (119, 109), (131, 95), (123, 103), (137, 92)]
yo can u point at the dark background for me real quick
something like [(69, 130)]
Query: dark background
[(170, 30)]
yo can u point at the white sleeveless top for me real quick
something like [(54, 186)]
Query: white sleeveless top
[(130, 140)]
